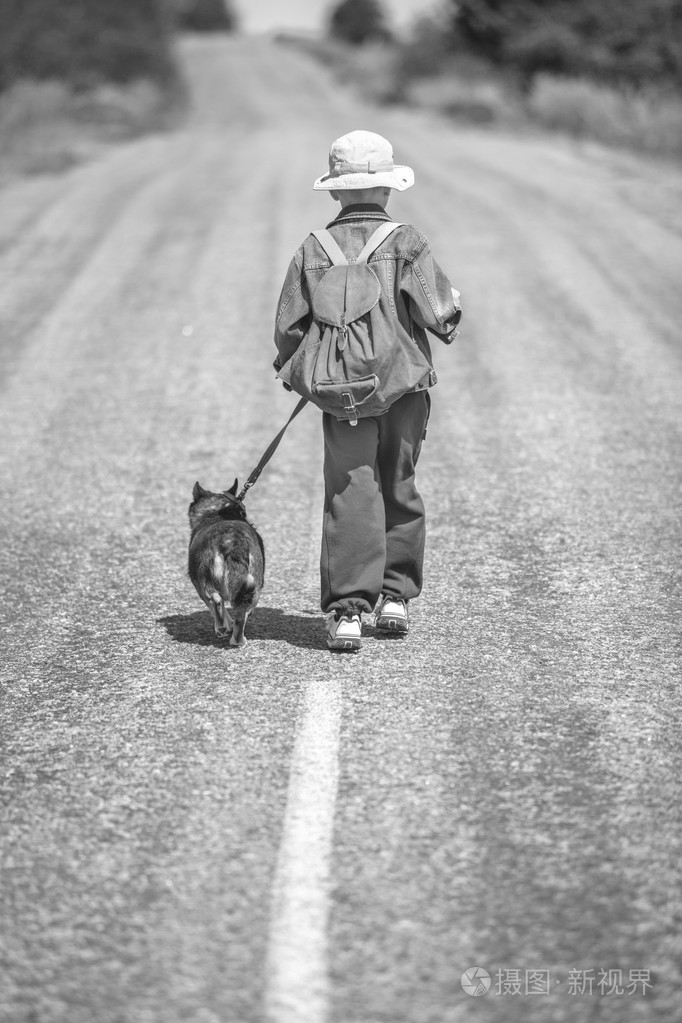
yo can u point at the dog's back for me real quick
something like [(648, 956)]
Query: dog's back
[(226, 561)]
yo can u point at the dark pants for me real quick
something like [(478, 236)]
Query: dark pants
[(373, 529)]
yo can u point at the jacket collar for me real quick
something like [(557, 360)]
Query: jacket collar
[(361, 211)]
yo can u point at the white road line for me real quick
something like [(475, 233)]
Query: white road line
[(297, 983)]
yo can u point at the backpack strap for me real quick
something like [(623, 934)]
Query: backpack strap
[(330, 247), (337, 257), (379, 236)]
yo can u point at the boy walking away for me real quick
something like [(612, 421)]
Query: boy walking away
[(350, 332)]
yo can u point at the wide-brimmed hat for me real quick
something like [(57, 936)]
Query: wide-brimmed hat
[(363, 159)]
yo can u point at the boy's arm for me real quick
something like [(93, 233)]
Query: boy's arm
[(434, 302), (293, 312)]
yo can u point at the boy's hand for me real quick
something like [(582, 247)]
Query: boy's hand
[(458, 310)]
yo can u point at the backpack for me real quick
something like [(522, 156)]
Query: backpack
[(339, 366)]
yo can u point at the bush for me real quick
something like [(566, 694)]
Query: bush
[(46, 127), (551, 47), (467, 100), (84, 42)]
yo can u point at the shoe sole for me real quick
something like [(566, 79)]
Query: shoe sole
[(344, 645), (396, 625)]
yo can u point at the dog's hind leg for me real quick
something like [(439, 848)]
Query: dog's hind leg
[(228, 623), (220, 596), (244, 599), (222, 622)]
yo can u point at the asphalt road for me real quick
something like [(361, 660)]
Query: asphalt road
[(192, 833)]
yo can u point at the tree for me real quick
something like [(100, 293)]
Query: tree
[(427, 48), (488, 25), (206, 16), (86, 41), (628, 40), (359, 21)]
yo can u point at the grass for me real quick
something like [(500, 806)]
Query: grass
[(649, 120), (462, 91), (46, 127)]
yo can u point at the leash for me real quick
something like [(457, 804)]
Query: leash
[(269, 451)]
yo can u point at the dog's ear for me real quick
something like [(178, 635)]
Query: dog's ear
[(233, 488), (198, 491)]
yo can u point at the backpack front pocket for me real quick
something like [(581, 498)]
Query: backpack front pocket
[(345, 400)]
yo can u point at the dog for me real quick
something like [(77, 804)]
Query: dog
[(226, 559)]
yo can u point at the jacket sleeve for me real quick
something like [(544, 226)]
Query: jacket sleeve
[(434, 305), (293, 312)]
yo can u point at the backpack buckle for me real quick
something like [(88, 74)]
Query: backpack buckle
[(349, 407)]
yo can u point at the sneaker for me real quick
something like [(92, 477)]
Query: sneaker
[(391, 615), (344, 631)]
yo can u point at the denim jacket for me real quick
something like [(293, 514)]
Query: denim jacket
[(414, 289)]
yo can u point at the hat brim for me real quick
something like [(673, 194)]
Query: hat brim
[(400, 178)]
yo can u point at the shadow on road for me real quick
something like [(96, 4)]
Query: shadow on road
[(304, 629)]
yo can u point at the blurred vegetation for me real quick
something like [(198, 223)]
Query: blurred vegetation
[(645, 118), (359, 22), (47, 126), (85, 42), (205, 16), (614, 41), (79, 74), (608, 70)]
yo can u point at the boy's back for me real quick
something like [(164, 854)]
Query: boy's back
[(415, 296)]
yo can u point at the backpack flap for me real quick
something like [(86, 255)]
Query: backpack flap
[(345, 294), (347, 291)]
